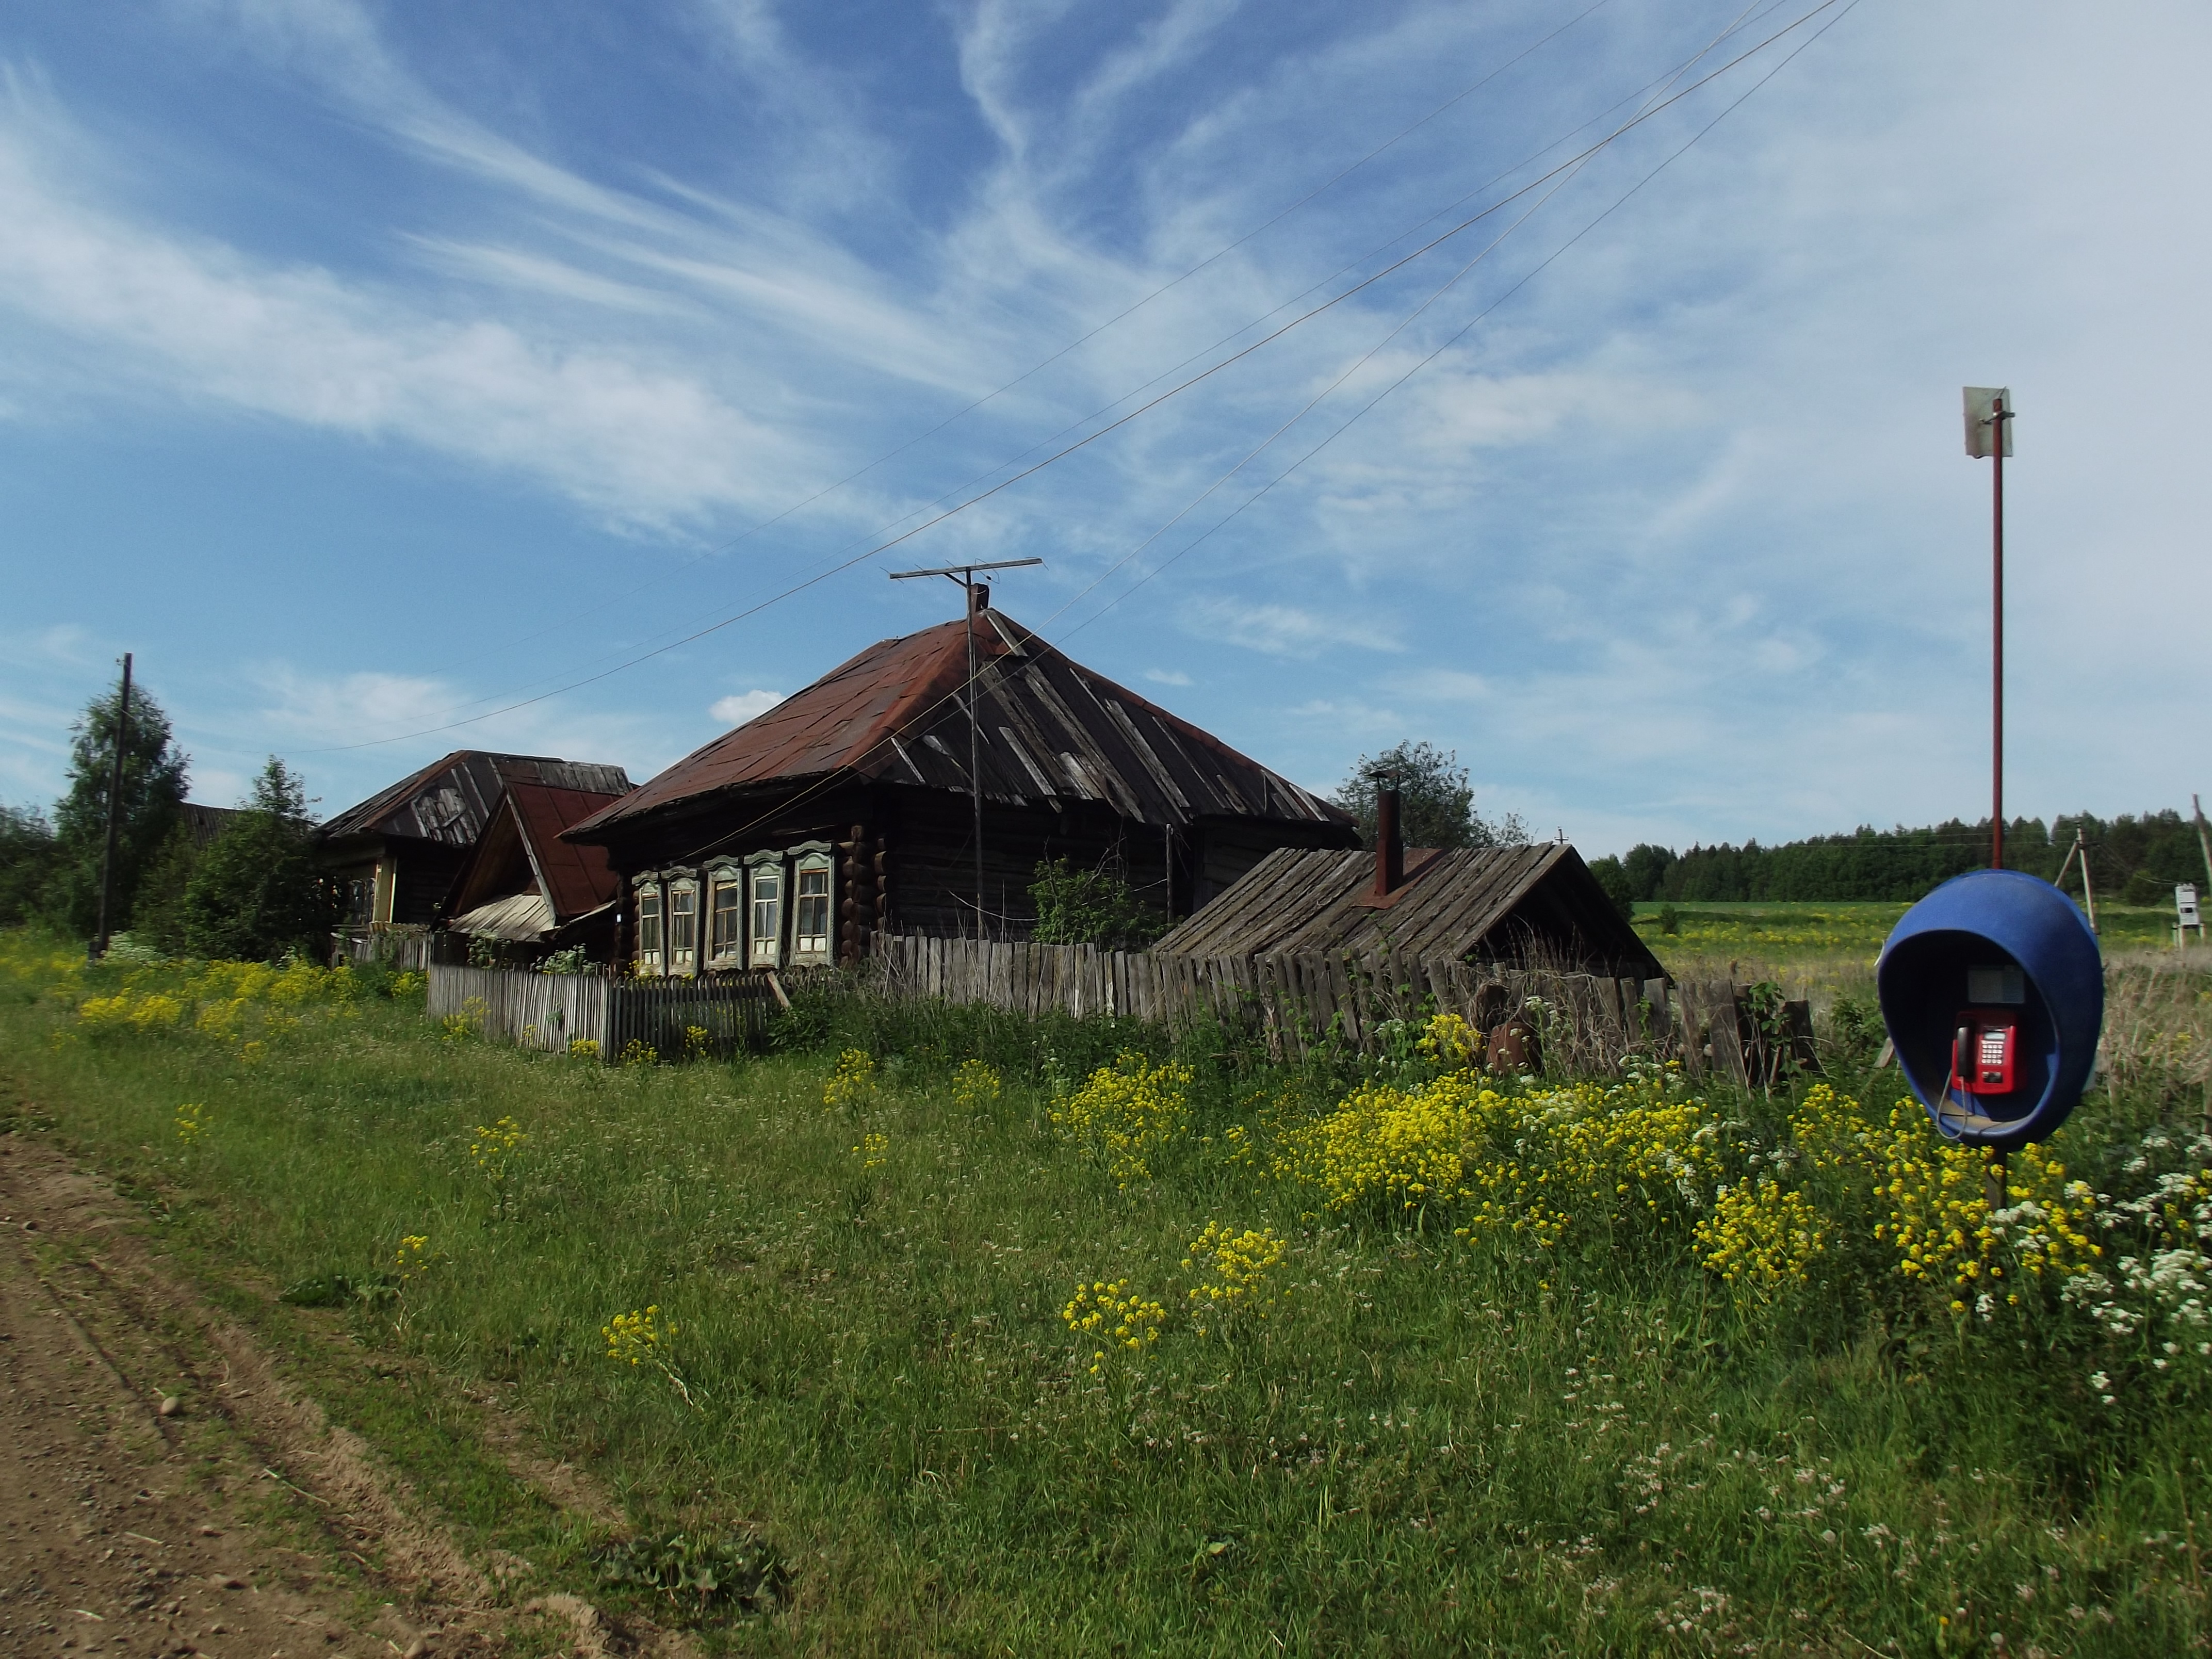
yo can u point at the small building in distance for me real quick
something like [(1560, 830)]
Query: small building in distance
[(204, 824), (397, 853), (845, 810), (524, 886), (1516, 905)]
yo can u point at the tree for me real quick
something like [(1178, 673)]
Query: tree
[(1612, 876), (1436, 802), (27, 863), (153, 778), (1090, 907), (257, 893), (157, 919)]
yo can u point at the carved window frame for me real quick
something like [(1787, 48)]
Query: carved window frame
[(724, 949), (810, 859), (681, 907), (765, 912), (652, 916)]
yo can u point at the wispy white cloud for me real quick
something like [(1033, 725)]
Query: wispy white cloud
[(741, 706), (1167, 676), (1283, 630)]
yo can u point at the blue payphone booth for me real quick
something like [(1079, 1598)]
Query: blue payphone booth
[(1993, 991)]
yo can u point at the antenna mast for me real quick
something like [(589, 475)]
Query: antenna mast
[(978, 594)]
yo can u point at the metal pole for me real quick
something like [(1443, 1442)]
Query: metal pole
[(974, 748), (2088, 893), (1997, 418), (115, 810)]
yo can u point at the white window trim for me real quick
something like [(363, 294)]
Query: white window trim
[(684, 965), (650, 963), (760, 952), (807, 861), (724, 872)]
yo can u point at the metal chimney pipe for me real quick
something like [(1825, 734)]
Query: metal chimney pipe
[(1389, 848)]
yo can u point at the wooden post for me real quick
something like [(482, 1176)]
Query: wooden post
[(114, 811)]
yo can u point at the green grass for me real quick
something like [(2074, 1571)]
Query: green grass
[(1826, 946), (1430, 1448)]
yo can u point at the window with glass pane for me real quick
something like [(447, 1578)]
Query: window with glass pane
[(810, 916), (768, 913), (725, 918), (683, 917), (648, 927)]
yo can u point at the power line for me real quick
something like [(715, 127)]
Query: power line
[(831, 779), (1397, 265), (1081, 340), (1424, 362), (1107, 408)]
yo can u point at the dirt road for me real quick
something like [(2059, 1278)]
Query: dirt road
[(162, 1491)]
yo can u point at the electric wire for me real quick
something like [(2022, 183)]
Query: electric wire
[(1453, 340), (1077, 424), (952, 698), (1084, 339), (975, 500)]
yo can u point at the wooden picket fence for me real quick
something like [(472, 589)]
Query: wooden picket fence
[(1293, 1002), (1588, 1026), (398, 948), (674, 1018)]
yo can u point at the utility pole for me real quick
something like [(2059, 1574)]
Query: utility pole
[(2203, 839), (977, 595), (1988, 434), (115, 810)]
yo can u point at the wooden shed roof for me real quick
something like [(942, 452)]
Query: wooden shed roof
[(524, 836), (451, 800), (1051, 730), (1480, 903)]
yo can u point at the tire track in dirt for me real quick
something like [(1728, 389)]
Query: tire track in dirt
[(158, 1476)]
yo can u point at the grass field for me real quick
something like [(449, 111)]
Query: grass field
[(845, 1341), (1825, 947)]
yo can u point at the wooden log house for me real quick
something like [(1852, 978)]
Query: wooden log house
[(846, 811)]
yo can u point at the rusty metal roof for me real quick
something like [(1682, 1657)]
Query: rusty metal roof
[(522, 843), (1051, 730), (1482, 903), (451, 800)]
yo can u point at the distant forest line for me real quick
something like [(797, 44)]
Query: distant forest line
[(2135, 860)]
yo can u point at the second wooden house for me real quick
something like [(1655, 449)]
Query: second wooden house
[(849, 809)]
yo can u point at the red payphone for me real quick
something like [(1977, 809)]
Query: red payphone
[(1984, 1050)]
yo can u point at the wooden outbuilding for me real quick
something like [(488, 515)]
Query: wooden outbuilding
[(1516, 905), (397, 853), (846, 810), (524, 886)]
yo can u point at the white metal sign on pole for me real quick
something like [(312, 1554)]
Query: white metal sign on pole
[(2185, 913), (1983, 403)]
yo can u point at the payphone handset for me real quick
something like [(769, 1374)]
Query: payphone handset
[(1985, 1051)]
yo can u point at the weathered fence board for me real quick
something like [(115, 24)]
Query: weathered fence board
[(1290, 1003), (1293, 1002), (553, 1011)]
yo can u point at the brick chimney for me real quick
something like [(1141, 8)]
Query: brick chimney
[(1389, 845)]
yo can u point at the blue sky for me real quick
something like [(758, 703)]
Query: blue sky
[(367, 368)]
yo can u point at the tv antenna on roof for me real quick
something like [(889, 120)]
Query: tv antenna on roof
[(978, 595)]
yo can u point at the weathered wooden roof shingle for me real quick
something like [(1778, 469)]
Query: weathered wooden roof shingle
[(1051, 730), (1481, 903)]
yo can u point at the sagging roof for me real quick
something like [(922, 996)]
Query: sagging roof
[(206, 823), (520, 917), (521, 852), (1481, 904), (451, 800), (1051, 730)]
